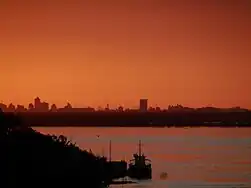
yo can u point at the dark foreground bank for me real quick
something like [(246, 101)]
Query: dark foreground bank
[(31, 159)]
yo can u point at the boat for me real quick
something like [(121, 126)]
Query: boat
[(140, 167)]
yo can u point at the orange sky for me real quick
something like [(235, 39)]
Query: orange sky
[(91, 52)]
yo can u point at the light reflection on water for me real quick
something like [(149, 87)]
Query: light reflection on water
[(197, 157)]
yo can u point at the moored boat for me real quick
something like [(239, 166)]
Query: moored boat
[(140, 167)]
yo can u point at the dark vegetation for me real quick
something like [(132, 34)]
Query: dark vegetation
[(31, 159)]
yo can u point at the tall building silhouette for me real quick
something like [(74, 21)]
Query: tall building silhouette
[(41, 106), (143, 105), (37, 103)]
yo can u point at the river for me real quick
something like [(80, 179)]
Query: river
[(192, 157)]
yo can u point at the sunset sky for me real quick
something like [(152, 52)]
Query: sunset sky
[(192, 52)]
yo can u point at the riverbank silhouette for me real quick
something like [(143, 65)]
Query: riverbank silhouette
[(31, 159)]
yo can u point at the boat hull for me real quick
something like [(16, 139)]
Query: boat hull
[(140, 173)]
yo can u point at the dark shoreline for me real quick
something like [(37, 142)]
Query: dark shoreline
[(136, 126), (159, 127), (137, 119), (30, 156)]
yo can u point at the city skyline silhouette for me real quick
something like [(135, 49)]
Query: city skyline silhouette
[(38, 105)]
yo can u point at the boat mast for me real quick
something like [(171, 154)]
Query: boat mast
[(139, 147)]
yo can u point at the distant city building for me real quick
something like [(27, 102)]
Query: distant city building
[(158, 109), (40, 106), (53, 108), (31, 107), (3, 107), (179, 108), (120, 109), (100, 108), (143, 105), (151, 109), (11, 108), (37, 104), (68, 106), (20, 108), (107, 107), (44, 107)]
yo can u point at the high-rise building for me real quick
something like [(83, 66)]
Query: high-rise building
[(37, 103), (143, 105), (41, 106)]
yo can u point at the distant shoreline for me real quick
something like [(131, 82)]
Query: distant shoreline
[(143, 126), (137, 119), (157, 127)]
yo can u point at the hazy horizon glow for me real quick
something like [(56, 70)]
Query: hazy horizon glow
[(93, 53)]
